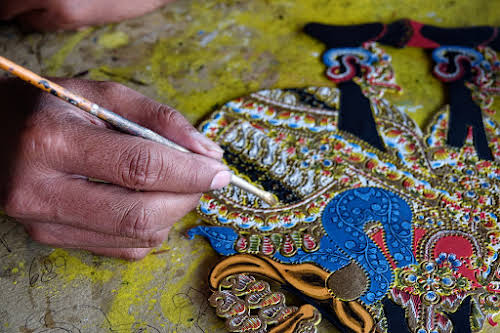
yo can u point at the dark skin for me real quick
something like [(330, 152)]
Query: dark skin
[(52, 148)]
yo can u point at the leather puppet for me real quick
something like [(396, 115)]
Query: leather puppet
[(381, 226)]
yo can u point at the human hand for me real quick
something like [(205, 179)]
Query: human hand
[(50, 147), (52, 15)]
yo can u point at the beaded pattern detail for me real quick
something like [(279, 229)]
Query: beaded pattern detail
[(416, 224)]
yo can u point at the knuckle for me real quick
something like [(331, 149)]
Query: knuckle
[(154, 240), (137, 222), (30, 200), (197, 178), (45, 144), (168, 115), (139, 167), (113, 89)]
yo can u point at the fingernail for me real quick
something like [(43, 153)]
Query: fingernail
[(221, 179), (209, 145)]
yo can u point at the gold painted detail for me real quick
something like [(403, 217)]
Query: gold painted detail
[(249, 305)]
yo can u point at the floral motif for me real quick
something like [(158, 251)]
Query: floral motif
[(432, 280)]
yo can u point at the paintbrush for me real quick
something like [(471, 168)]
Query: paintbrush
[(116, 120)]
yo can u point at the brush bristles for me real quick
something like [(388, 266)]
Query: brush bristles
[(267, 197)]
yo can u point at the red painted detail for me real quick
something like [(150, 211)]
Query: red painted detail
[(417, 236), (251, 324), (288, 245), (334, 74), (441, 320), (463, 248), (267, 246), (378, 238), (418, 40), (257, 126), (309, 242), (491, 321), (241, 244), (371, 164)]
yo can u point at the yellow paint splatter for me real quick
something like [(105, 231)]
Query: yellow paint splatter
[(55, 62), (71, 269), (134, 290), (113, 40), (181, 310)]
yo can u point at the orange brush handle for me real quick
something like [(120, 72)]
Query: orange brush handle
[(84, 104), (46, 85)]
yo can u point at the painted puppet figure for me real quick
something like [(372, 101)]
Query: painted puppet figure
[(381, 226)]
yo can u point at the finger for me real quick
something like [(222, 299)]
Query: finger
[(137, 163), (131, 254), (105, 11), (158, 117), (102, 208), (60, 235), (69, 15), (166, 121), (136, 107), (43, 20), (11, 9)]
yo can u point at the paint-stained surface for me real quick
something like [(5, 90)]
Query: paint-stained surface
[(193, 55)]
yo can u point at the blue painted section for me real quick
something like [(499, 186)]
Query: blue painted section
[(439, 54), (344, 218), (328, 256), (222, 239), (365, 57)]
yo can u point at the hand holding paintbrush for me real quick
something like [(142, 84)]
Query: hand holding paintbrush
[(57, 141)]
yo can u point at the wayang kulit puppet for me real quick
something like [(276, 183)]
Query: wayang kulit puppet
[(381, 226)]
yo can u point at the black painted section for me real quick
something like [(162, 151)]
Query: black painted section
[(395, 314), (397, 33), (464, 112), (396, 320), (255, 174), (469, 37), (326, 311), (343, 35), (461, 317), (356, 116), (309, 99), (400, 32)]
